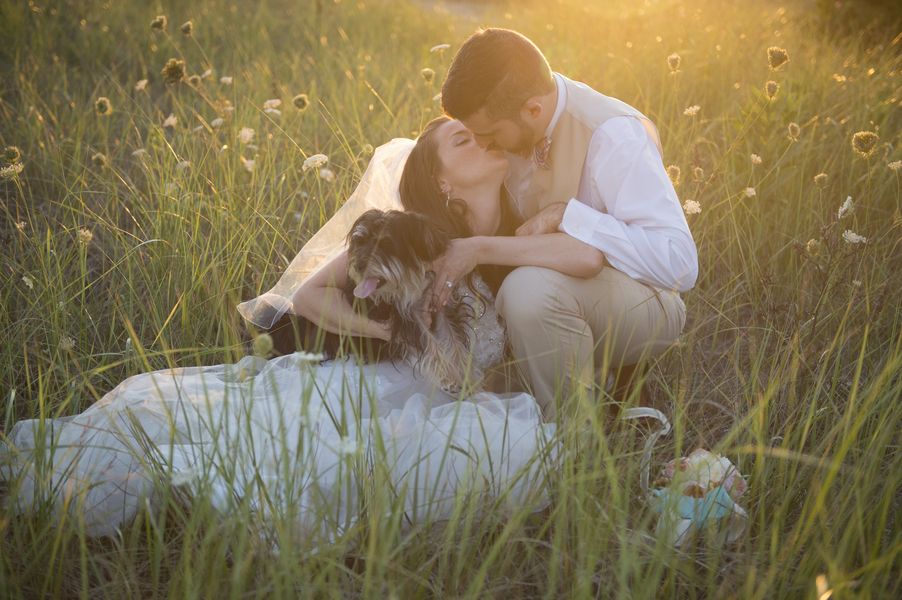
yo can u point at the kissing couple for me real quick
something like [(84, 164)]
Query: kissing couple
[(563, 229)]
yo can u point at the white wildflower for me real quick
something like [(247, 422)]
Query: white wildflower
[(249, 166), (223, 149), (347, 445), (85, 236), (225, 80), (252, 147), (198, 129), (67, 343), (440, 47), (11, 171), (216, 122), (207, 73), (895, 165), (274, 112), (853, 238), (437, 97), (170, 121), (245, 135), (327, 174), (691, 207), (274, 103), (856, 283), (228, 109), (309, 356), (314, 162), (139, 152), (692, 110), (140, 85), (845, 208), (756, 160), (750, 191), (183, 165), (28, 282), (21, 226)]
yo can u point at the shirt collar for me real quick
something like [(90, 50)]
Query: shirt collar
[(561, 103)]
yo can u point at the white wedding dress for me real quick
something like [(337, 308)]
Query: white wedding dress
[(289, 439)]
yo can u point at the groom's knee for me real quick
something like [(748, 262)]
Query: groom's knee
[(525, 294)]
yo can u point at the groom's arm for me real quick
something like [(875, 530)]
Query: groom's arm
[(628, 209)]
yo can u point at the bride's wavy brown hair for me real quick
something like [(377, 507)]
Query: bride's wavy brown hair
[(421, 193)]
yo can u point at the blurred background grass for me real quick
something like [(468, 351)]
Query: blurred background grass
[(789, 362)]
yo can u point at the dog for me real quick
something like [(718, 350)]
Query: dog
[(388, 281)]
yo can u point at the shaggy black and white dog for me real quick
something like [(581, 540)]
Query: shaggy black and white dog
[(388, 281)]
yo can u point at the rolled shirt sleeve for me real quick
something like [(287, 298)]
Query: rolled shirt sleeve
[(627, 208)]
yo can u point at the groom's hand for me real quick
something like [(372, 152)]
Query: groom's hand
[(546, 220), (461, 257)]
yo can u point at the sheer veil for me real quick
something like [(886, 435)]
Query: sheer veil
[(377, 189)]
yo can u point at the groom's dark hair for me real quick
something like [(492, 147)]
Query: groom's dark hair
[(498, 69)]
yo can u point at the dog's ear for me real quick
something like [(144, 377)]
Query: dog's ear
[(427, 237), (365, 224)]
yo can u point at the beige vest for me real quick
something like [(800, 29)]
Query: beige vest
[(585, 112)]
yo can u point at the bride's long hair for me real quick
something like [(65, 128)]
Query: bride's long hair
[(421, 193)]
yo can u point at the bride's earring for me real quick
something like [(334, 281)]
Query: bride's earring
[(447, 194)]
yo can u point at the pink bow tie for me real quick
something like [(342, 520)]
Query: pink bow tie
[(541, 153)]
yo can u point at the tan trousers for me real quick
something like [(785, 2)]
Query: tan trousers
[(562, 328)]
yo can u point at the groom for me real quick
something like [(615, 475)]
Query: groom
[(590, 166)]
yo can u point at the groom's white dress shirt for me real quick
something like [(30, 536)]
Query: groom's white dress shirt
[(626, 205)]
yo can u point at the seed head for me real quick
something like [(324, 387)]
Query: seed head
[(820, 180), (692, 110), (673, 61), (895, 165), (673, 172), (67, 343), (691, 207), (771, 88), (174, 71), (777, 57), (845, 209), (194, 80), (12, 156), (367, 149), (314, 162), (85, 237), (813, 247), (428, 74), (756, 160), (159, 23), (794, 131), (21, 226), (698, 173), (865, 143), (11, 171), (103, 107), (301, 102), (99, 160), (263, 345), (187, 27)]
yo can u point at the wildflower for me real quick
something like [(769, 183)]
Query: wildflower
[(67, 343), (310, 357), (853, 238), (895, 165), (27, 280), (845, 208), (794, 131), (327, 174), (856, 283), (21, 226), (673, 172), (140, 85), (777, 57), (347, 445), (691, 207), (314, 162), (216, 122), (440, 47), (698, 173), (225, 80), (11, 171), (228, 109), (174, 71), (673, 61), (427, 74), (249, 165), (263, 345), (301, 102), (223, 149), (103, 107), (367, 149), (171, 121), (183, 165), (692, 110), (274, 103), (864, 143), (750, 192), (820, 180), (12, 155), (771, 88), (839, 78), (245, 135), (437, 97), (139, 152), (99, 160), (194, 80), (159, 23), (187, 27), (206, 74), (274, 112), (813, 247), (756, 160), (84, 236)]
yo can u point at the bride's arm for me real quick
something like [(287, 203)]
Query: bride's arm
[(320, 300)]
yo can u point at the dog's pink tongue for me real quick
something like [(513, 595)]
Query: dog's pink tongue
[(366, 287)]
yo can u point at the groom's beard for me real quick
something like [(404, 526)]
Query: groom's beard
[(526, 141)]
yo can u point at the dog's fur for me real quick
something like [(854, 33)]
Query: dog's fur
[(388, 281)]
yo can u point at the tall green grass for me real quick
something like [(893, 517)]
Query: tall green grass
[(789, 363)]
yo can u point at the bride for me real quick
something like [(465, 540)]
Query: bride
[(317, 444)]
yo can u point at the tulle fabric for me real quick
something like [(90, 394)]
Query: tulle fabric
[(285, 439)]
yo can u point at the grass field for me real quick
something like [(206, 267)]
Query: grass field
[(129, 237)]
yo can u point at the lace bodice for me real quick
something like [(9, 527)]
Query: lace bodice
[(487, 340)]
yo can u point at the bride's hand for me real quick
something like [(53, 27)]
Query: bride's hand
[(545, 221), (461, 257)]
